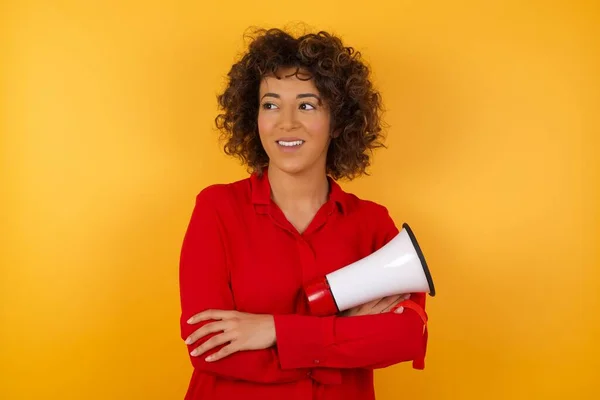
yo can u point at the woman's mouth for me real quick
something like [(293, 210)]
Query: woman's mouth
[(290, 143)]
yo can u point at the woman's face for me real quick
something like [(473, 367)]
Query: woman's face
[(293, 123)]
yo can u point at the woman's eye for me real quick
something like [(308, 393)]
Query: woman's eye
[(307, 106), (268, 106)]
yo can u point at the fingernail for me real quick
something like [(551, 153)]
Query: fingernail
[(189, 321), (194, 352), (188, 341), (209, 358), (399, 310)]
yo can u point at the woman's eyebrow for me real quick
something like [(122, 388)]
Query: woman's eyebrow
[(270, 95), (303, 95), (299, 96)]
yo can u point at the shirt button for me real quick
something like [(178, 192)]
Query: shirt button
[(316, 361)]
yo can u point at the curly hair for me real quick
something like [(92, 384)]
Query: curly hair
[(340, 76)]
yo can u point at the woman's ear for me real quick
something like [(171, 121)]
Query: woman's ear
[(336, 133)]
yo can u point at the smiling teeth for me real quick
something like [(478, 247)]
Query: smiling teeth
[(289, 144)]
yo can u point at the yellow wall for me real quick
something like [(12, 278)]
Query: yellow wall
[(106, 121)]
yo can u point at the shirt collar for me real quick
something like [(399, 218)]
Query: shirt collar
[(261, 191)]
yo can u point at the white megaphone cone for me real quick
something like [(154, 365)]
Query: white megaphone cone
[(399, 267)]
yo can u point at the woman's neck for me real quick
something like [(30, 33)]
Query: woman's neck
[(309, 190)]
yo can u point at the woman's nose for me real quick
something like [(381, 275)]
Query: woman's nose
[(288, 119)]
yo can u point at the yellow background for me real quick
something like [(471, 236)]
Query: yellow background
[(107, 134)]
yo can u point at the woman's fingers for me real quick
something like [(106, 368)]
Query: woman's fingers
[(400, 310), (399, 300), (387, 303), (212, 314), (213, 342), (207, 329), (224, 352), (383, 305)]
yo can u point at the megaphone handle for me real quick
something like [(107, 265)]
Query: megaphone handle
[(415, 307)]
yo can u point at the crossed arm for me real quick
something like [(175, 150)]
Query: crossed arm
[(278, 348)]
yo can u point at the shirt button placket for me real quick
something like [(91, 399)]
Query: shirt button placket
[(307, 259)]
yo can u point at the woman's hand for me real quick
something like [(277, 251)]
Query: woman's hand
[(243, 331), (383, 305)]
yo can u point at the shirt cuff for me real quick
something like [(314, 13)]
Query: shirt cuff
[(302, 340)]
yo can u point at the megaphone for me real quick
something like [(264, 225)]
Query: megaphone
[(399, 267)]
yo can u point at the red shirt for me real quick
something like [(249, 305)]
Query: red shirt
[(241, 253)]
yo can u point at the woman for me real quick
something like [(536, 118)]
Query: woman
[(301, 113)]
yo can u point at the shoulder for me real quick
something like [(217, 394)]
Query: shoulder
[(362, 207), (374, 218), (220, 195)]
